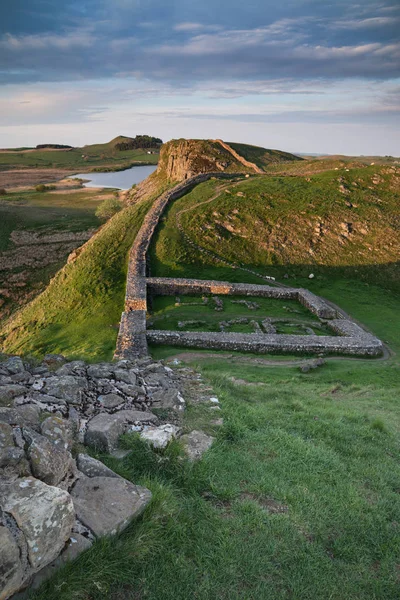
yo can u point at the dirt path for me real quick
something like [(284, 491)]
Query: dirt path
[(241, 159)]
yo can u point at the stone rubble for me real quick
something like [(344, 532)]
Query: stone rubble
[(53, 505)]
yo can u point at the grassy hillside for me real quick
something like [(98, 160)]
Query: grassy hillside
[(263, 157), (79, 312), (345, 220), (37, 233), (87, 158)]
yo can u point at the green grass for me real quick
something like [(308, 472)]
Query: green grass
[(289, 225), (78, 314), (165, 314), (262, 157)]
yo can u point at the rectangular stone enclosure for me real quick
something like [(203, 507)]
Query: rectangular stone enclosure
[(349, 338)]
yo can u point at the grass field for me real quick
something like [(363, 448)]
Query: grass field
[(33, 246), (194, 315), (31, 210)]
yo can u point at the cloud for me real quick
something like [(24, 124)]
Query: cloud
[(370, 23), (68, 41), (190, 27), (256, 62)]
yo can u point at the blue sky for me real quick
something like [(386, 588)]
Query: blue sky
[(298, 75)]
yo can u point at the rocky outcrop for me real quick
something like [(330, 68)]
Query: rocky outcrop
[(183, 159)]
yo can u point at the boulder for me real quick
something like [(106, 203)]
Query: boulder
[(67, 387), (93, 468), (59, 431), (10, 391), (48, 462), (6, 435), (159, 437), (44, 514), (170, 399), (11, 569), (196, 443), (76, 367), (76, 544), (100, 371), (133, 391), (54, 360), (46, 399), (106, 505), (125, 375), (158, 379), (14, 365), (26, 415), (104, 429), (12, 457), (110, 400)]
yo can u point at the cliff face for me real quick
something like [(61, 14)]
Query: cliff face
[(182, 159)]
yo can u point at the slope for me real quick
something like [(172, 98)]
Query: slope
[(347, 220), (78, 313)]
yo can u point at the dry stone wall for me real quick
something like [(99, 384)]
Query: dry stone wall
[(366, 345)]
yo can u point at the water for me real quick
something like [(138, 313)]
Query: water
[(118, 179)]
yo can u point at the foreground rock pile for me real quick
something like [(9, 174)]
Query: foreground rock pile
[(54, 501)]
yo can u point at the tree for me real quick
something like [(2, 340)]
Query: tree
[(108, 208)]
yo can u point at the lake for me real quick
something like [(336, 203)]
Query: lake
[(118, 179)]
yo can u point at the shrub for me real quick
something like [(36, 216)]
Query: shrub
[(3, 192), (44, 188), (108, 208)]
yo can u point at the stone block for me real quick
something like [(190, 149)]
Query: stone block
[(44, 514), (49, 463), (93, 468), (11, 569), (196, 443), (106, 505)]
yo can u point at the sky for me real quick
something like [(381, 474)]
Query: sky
[(310, 76)]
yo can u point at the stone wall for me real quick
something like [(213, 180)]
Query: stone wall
[(365, 344), (53, 505)]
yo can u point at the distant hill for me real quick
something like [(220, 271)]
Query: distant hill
[(263, 157), (53, 146), (120, 153)]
